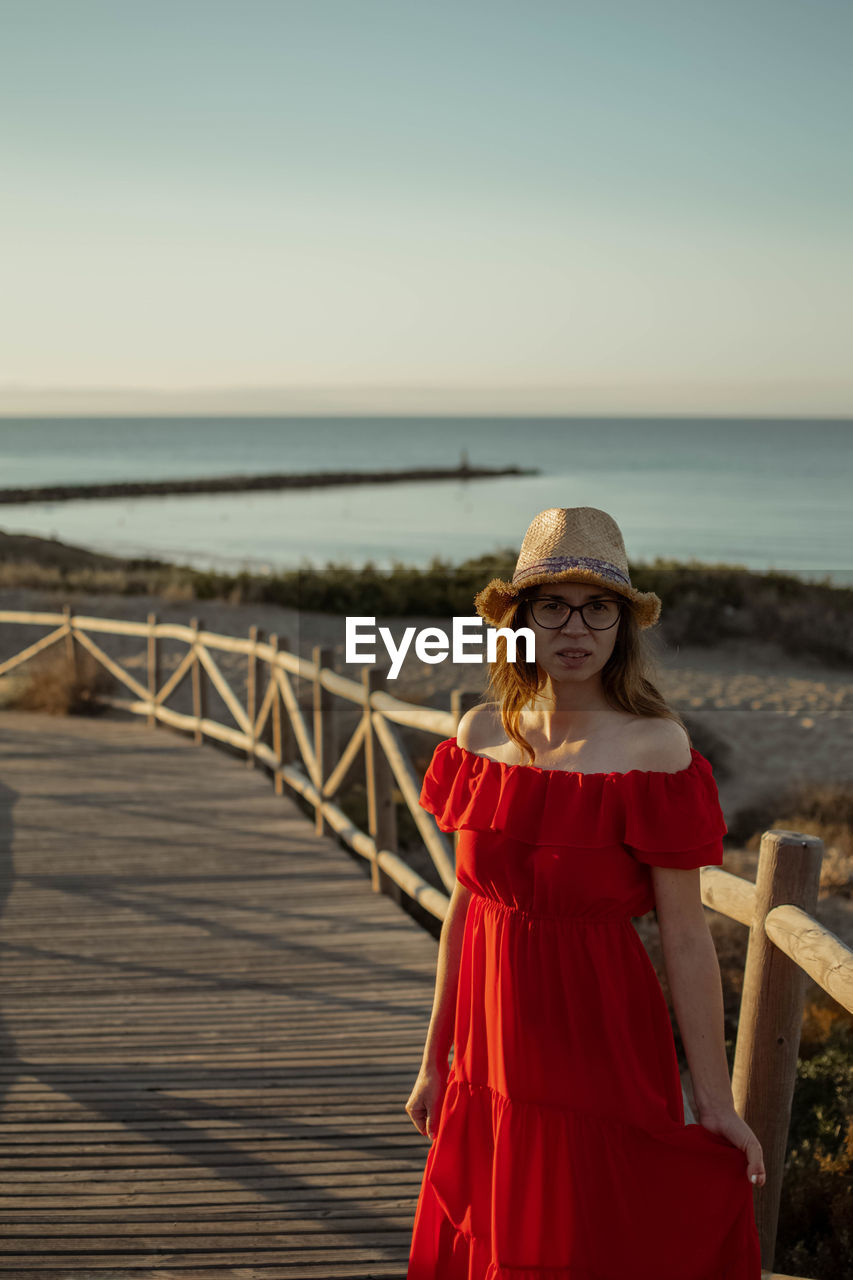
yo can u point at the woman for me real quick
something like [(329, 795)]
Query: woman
[(558, 1144)]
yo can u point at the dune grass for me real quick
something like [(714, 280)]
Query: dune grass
[(703, 605)]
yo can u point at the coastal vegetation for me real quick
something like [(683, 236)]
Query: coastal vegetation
[(705, 605)]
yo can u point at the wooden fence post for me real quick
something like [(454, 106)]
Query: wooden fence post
[(289, 751), (153, 665), (70, 649), (771, 1015), (324, 728), (198, 684), (381, 813), (251, 694), (276, 721)]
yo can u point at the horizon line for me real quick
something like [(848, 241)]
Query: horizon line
[(792, 399), (447, 413)]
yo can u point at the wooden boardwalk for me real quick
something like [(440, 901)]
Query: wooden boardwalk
[(210, 1023)]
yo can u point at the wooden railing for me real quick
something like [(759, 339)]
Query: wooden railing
[(786, 943)]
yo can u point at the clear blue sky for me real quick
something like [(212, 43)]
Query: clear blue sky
[(612, 206)]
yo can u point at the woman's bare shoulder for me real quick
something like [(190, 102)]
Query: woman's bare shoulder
[(663, 743), (478, 726)]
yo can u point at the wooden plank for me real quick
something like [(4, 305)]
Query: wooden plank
[(349, 1269), (214, 1024)]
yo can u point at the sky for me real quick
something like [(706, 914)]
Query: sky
[(593, 206)]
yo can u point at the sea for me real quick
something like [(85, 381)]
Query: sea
[(765, 493)]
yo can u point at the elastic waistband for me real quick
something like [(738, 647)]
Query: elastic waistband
[(565, 918)]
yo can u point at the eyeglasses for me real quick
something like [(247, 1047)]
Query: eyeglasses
[(552, 612)]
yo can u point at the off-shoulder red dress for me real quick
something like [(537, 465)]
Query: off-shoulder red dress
[(561, 1151)]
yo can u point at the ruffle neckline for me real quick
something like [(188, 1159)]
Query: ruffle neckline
[(650, 810), (696, 756)]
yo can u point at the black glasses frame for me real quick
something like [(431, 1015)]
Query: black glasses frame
[(574, 608)]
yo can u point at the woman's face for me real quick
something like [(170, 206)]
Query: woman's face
[(574, 633)]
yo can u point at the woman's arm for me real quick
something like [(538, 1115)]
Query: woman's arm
[(440, 1034), (694, 980), (693, 971), (425, 1100)]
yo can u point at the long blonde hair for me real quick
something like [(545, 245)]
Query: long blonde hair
[(625, 677)]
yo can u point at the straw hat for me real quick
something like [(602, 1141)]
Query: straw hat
[(570, 544)]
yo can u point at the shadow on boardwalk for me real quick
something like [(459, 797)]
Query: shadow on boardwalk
[(210, 1023)]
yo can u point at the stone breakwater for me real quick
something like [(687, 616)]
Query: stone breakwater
[(245, 484)]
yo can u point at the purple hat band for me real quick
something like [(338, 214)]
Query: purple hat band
[(556, 564)]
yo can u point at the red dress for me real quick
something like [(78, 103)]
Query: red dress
[(561, 1151)]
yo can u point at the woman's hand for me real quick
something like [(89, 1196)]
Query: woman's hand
[(424, 1105), (732, 1126)]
